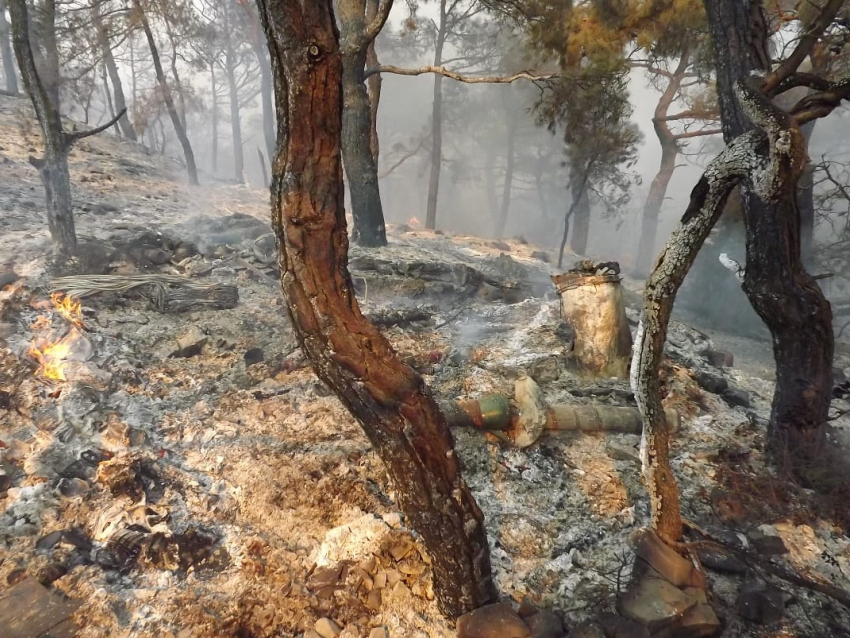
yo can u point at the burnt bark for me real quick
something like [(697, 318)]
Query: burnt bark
[(391, 402), (6, 53), (360, 161), (780, 290), (120, 103), (167, 96)]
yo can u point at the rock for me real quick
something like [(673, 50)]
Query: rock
[(8, 277), (654, 603), (767, 541), (615, 626), (533, 413), (701, 621), (588, 630), (253, 356), (838, 375), (499, 245), (545, 624), (665, 560), (189, 344), (380, 632), (622, 452), (710, 382), (527, 609), (721, 561), (492, 621), (542, 256), (327, 628), (157, 256), (720, 358), (761, 603), (736, 397)]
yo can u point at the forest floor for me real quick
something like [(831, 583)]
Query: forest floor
[(192, 477)]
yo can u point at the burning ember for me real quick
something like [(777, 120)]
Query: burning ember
[(51, 354)]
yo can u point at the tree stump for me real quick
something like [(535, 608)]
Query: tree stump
[(593, 306)]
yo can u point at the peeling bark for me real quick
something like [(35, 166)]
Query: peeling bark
[(391, 402)]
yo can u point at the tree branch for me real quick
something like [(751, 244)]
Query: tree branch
[(71, 138), (804, 46), (468, 79), (700, 133), (822, 103)]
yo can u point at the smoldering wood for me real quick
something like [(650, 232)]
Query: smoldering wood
[(165, 293)]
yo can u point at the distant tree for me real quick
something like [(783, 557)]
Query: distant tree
[(53, 165), (140, 17), (6, 53), (103, 38), (389, 399)]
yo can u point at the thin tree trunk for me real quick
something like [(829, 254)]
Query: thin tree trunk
[(6, 52), (581, 214), (578, 195), (490, 186), (263, 167), (112, 68), (783, 294), (47, 36), (166, 96), (53, 166), (373, 85), (509, 176), (235, 122), (391, 401), (108, 96), (265, 94), (178, 85), (436, 127), (214, 119)]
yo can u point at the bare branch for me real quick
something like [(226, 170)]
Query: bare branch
[(804, 46), (468, 79), (822, 103), (701, 133), (378, 22), (71, 138)]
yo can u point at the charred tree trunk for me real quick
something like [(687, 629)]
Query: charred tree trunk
[(53, 166), (46, 34), (120, 103), (167, 97), (6, 53), (391, 402), (783, 294), (360, 166), (436, 126)]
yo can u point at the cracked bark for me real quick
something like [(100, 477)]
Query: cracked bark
[(390, 401)]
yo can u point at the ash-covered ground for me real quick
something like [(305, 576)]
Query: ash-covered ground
[(192, 477)]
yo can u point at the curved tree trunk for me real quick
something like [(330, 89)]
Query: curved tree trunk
[(112, 68), (391, 402), (6, 53), (654, 201), (783, 294)]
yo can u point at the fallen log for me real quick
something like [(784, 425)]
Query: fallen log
[(165, 293)]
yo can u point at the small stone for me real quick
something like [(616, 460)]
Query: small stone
[(767, 541), (380, 581), (70, 487), (374, 600), (710, 382), (47, 542), (499, 245), (736, 397), (588, 630), (253, 356), (542, 256), (380, 632), (665, 560), (838, 376), (545, 624), (8, 277), (699, 622), (400, 550), (492, 621), (157, 256), (311, 633), (527, 608), (720, 560), (761, 603), (189, 344), (327, 628), (393, 576), (620, 452), (654, 603), (618, 627), (720, 358)]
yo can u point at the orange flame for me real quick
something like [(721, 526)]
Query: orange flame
[(69, 308), (51, 356)]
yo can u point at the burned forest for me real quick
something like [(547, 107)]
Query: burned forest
[(424, 319)]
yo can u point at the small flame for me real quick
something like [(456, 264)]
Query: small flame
[(414, 222), (51, 355), (69, 308)]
